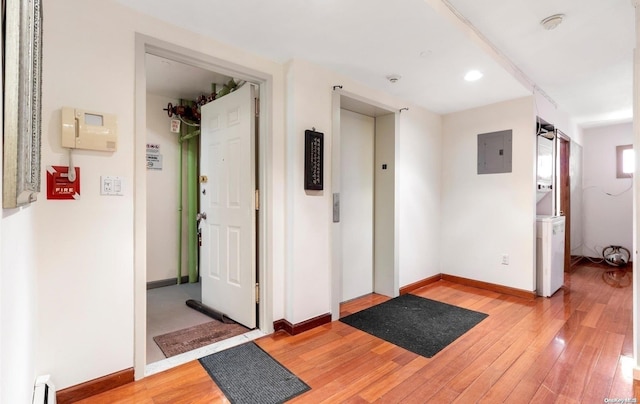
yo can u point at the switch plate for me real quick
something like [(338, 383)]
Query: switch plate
[(505, 259), (111, 185)]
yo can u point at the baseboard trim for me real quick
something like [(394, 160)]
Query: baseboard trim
[(95, 386), (575, 259), (166, 282), (417, 285), (525, 294), (294, 329)]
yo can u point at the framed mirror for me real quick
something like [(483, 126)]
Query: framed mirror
[(22, 68)]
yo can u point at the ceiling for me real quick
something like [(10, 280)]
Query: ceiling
[(584, 65), (177, 80)]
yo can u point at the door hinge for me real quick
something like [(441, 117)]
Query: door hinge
[(257, 199), (257, 293), (257, 106)]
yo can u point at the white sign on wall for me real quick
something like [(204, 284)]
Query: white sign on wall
[(175, 126), (154, 158), (154, 161)]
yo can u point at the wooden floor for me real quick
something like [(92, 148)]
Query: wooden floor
[(574, 347)]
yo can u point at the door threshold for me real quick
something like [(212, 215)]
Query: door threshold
[(177, 360)]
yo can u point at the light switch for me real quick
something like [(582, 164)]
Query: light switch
[(111, 185)]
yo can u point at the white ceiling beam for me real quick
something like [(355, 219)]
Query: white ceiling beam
[(445, 9)]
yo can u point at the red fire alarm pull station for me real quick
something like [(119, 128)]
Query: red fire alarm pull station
[(59, 186)]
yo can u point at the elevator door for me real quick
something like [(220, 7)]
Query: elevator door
[(357, 175)]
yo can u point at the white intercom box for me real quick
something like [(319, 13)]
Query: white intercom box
[(89, 130)]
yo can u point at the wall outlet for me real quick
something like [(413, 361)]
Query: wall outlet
[(505, 259)]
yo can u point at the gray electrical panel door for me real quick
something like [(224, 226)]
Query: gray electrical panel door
[(494, 152)]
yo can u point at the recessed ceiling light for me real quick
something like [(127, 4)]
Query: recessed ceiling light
[(473, 75), (552, 21)]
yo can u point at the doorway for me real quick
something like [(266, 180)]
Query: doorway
[(364, 258), (179, 233), (357, 136), (147, 199), (564, 185)]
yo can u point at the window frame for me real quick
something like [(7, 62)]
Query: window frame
[(619, 161)]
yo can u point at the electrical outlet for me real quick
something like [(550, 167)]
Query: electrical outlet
[(505, 259)]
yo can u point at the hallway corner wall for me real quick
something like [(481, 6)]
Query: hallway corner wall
[(487, 215)]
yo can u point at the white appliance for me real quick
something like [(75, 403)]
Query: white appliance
[(549, 254)]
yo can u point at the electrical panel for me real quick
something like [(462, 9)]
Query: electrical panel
[(494, 152)]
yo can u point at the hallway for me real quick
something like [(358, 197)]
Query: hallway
[(573, 347)]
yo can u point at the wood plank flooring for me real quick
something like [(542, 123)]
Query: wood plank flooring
[(574, 347)]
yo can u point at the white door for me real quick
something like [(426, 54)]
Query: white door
[(356, 199), (227, 198)]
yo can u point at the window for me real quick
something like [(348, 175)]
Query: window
[(625, 161)]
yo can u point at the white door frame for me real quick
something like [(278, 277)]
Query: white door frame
[(336, 228), (145, 44)]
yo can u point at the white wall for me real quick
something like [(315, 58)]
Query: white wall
[(308, 254), (607, 200), (419, 157), (85, 248), (18, 305), (485, 216), (162, 196), (309, 104)]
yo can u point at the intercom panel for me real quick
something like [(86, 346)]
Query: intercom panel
[(83, 129)]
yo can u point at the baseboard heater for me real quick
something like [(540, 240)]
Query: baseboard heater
[(44, 391)]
